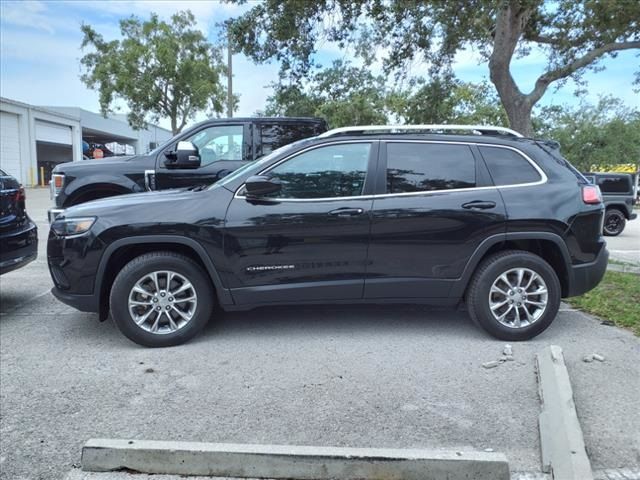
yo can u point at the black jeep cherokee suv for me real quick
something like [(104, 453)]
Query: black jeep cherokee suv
[(370, 215), (224, 144)]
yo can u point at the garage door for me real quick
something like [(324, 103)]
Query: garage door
[(10, 144), (53, 133)]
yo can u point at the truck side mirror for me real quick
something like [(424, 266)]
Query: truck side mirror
[(186, 155), (260, 185)]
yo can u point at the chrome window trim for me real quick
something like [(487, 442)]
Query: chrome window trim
[(543, 176)]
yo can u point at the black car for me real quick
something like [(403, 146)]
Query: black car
[(619, 197), (18, 234), (356, 215), (223, 144)]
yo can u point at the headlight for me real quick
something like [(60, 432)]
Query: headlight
[(66, 227)]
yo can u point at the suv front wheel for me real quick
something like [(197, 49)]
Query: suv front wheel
[(161, 299), (514, 295)]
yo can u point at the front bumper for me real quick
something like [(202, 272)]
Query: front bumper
[(583, 278), (633, 216)]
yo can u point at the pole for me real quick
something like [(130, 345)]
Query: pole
[(229, 81)]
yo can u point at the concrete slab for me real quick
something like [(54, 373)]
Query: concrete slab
[(290, 462), (561, 441)]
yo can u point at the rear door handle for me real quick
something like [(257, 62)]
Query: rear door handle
[(346, 212), (479, 204)]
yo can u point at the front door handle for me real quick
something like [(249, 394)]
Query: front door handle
[(479, 204), (346, 212)]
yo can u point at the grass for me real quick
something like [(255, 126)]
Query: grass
[(617, 299)]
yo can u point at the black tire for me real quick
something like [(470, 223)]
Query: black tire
[(489, 270), (158, 262), (614, 222)]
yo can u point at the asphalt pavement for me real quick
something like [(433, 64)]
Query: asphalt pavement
[(353, 376)]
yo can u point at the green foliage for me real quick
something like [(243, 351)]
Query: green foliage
[(605, 133), (342, 94), (573, 34), (447, 100), (159, 69), (348, 95)]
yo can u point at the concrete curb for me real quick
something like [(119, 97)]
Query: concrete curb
[(290, 462), (625, 268), (561, 441)]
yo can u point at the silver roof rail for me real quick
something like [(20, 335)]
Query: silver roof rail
[(477, 129)]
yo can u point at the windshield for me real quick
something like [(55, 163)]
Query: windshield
[(256, 165)]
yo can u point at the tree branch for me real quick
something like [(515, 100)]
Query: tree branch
[(551, 76)]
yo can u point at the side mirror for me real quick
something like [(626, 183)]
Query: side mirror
[(260, 185), (185, 156)]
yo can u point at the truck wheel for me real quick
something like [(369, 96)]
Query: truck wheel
[(514, 295), (614, 222), (161, 299)]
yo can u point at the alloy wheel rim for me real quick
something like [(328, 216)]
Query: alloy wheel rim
[(162, 302), (518, 298)]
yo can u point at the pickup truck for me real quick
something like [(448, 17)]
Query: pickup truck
[(619, 196), (200, 155)]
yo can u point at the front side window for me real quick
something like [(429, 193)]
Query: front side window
[(423, 167), (223, 142), (325, 172), (508, 167)]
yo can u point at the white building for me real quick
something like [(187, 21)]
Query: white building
[(33, 139)]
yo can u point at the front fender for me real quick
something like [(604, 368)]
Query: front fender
[(83, 185), (224, 296)]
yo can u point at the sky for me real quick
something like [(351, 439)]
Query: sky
[(40, 53)]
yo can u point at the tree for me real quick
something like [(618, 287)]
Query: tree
[(573, 35), (342, 94), (448, 100), (160, 69), (605, 133)]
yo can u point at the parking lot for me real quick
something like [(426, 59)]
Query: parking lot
[(393, 376)]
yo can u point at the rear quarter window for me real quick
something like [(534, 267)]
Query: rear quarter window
[(508, 167)]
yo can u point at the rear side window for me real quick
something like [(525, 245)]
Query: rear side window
[(620, 184), (274, 135), (423, 167), (508, 167)]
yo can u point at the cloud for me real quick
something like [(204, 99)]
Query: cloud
[(27, 14), (207, 13)]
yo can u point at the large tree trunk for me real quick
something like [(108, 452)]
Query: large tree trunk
[(510, 21), (519, 113)]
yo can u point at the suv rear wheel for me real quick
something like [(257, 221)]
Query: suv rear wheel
[(514, 295), (161, 299), (614, 222)]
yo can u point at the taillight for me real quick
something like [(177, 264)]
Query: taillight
[(591, 194), (21, 196)]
